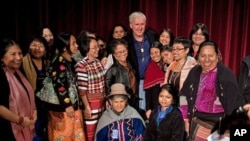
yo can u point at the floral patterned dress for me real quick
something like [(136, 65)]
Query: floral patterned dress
[(60, 126)]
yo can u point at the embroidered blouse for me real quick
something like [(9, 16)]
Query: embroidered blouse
[(207, 100), (62, 77)]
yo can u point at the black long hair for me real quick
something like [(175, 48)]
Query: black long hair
[(173, 92)]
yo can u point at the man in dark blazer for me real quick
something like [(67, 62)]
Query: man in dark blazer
[(140, 40)]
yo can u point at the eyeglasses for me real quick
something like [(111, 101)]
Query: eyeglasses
[(119, 53), (37, 45), (177, 49)]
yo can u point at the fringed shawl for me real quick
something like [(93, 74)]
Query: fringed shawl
[(153, 75)]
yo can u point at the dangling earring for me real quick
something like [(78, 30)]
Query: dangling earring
[(2, 64)]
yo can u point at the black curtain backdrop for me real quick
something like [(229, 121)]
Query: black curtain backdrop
[(228, 21)]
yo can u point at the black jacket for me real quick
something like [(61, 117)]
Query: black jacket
[(117, 74), (226, 88), (171, 128), (244, 79), (132, 57)]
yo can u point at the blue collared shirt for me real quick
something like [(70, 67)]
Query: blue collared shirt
[(143, 57)]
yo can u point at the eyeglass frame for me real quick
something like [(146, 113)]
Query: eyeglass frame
[(37, 45), (119, 53), (199, 34)]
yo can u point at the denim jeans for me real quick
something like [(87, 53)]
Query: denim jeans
[(142, 102)]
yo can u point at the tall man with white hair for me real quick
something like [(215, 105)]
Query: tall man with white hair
[(140, 40)]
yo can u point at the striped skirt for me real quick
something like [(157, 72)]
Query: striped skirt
[(97, 108)]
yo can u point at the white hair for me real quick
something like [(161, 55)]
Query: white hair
[(136, 14)]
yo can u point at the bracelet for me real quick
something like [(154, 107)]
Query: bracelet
[(20, 120)]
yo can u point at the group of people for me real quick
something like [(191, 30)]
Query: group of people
[(135, 86)]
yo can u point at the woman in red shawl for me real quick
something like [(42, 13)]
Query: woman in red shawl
[(154, 78), (17, 103)]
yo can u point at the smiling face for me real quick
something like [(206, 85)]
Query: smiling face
[(118, 103), (138, 25), (208, 58), (13, 57), (164, 38), (198, 37), (179, 51), (167, 56), (155, 54), (165, 99), (93, 49), (37, 49), (121, 53)]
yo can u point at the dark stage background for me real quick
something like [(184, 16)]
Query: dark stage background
[(228, 21)]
